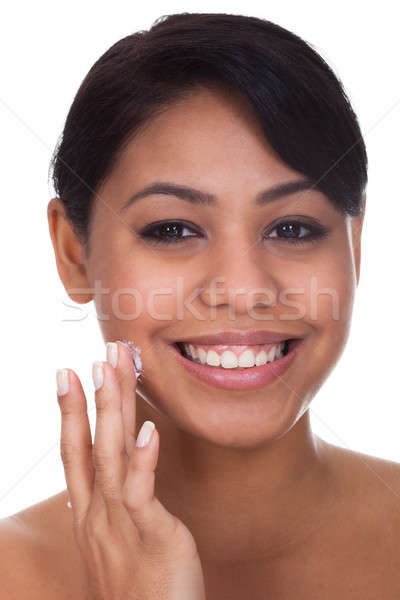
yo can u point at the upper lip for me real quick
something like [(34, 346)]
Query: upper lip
[(239, 338)]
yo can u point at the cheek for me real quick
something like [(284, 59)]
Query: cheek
[(144, 292), (324, 308), (319, 292)]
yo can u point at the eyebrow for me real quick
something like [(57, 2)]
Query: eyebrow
[(194, 196)]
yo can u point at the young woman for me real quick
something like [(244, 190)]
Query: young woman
[(210, 189)]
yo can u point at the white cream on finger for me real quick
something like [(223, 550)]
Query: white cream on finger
[(135, 352)]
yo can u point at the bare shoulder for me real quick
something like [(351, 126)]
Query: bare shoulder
[(17, 561), (38, 558), (370, 488), (379, 477)]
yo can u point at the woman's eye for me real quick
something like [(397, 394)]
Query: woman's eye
[(297, 232), (294, 232), (168, 232)]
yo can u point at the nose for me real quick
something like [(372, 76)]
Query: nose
[(240, 279)]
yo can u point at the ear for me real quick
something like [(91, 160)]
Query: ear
[(69, 253), (356, 229)]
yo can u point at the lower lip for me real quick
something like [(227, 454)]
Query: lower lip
[(239, 379)]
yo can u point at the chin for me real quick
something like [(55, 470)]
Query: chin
[(243, 421)]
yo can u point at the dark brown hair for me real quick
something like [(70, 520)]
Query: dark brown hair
[(298, 101)]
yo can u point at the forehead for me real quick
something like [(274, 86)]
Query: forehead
[(206, 139)]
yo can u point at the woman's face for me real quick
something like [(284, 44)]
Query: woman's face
[(230, 266)]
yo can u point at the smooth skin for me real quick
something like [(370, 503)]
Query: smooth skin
[(275, 512)]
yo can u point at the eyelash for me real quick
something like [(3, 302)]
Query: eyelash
[(318, 231)]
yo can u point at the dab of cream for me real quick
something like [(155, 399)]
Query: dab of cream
[(135, 352)]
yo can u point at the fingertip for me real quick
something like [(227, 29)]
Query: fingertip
[(62, 382), (145, 434), (112, 353), (98, 374)]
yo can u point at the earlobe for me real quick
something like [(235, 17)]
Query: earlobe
[(69, 253)]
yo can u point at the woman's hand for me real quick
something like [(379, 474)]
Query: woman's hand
[(131, 547)]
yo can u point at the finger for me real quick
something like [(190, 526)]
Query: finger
[(76, 440), (109, 454), (119, 356), (152, 519)]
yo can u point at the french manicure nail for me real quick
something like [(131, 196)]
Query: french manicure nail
[(112, 353), (62, 381), (97, 374), (145, 433)]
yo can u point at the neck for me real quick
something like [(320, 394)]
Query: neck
[(242, 505)]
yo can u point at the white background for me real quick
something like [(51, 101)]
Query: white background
[(45, 51)]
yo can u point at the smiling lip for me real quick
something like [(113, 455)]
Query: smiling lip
[(246, 338), (246, 378)]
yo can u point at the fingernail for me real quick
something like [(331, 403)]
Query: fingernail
[(112, 353), (62, 381), (145, 433), (97, 374)]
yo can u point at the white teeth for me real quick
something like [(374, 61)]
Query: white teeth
[(193, 353), (212, 358), (261, 358), (202, 355), (229, 360), (246, 359)]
